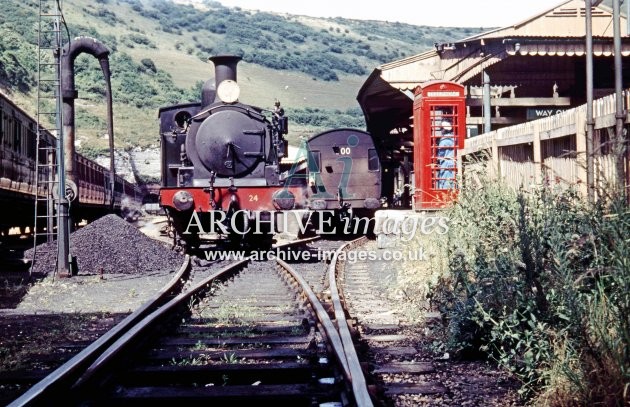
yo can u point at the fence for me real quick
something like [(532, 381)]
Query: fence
[(550, 151)]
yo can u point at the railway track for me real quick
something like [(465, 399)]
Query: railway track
[(397, 352), (250, 332)]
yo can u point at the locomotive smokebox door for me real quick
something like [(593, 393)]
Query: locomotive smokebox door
[(439, 115), (229, 143)]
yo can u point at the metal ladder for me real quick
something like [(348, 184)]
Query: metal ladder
[(48, 122)]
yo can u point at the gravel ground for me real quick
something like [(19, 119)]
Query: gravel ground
[(466, 383), (119, 269), (88, 293), (91, 302), (38, 320)]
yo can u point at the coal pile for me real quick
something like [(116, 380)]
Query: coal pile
[(110, 245)]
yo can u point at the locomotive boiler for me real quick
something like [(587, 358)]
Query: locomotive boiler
[(221, 163)]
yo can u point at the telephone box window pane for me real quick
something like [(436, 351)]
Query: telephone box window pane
[(444, 129)]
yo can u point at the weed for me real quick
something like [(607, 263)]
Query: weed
[(230, 359), (200, 360), (234, 313), (540, 281)]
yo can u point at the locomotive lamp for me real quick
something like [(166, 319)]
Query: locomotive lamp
[(228, 91), (283, 200), (183, 200)]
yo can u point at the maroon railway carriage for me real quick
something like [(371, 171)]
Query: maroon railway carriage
[(18, 141)]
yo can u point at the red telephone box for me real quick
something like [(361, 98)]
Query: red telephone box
[(439, 129)]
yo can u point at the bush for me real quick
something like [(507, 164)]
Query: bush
[(148, 65), (17, 65), (324, 118), (103, 14), (139, 39), (541, 282)]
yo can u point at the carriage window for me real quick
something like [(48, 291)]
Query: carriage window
[(8, 129), (372, 160), (17, 135), (31, 142), (314, 161)]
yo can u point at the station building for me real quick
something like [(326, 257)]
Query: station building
[(536, 68)]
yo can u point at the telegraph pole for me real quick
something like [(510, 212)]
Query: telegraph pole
[(620, 114), (590, 122)]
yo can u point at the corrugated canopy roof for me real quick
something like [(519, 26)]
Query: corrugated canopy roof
[(559, 31), (565, 20)]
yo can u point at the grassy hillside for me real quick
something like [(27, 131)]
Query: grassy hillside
[(159, 57)]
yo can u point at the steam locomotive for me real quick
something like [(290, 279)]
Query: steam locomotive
[(221, 163), (344, 175)]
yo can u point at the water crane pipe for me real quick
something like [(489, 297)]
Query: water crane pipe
[(70, 52)]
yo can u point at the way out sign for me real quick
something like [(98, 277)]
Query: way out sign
[(534, 113)]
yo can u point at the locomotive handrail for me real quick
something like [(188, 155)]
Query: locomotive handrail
[(68, 373)]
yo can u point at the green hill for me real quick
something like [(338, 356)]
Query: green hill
[(159, 56)]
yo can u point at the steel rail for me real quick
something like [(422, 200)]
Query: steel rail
[(132, 336), (340, 337), (359, 385), (296, 242), (322, 316), (63, 377)]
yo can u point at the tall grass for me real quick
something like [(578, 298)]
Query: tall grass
[(540, 281)]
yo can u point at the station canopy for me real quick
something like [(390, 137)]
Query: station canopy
[(536, 62)]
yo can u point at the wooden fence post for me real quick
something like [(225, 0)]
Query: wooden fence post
[(538, 162), (496, 162), (580, 147)]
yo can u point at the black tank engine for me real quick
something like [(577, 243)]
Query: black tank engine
[(221, 155)]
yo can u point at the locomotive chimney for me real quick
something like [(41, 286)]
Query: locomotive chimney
[(224, 68)]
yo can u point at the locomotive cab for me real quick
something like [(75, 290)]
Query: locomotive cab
[(173, 126)]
